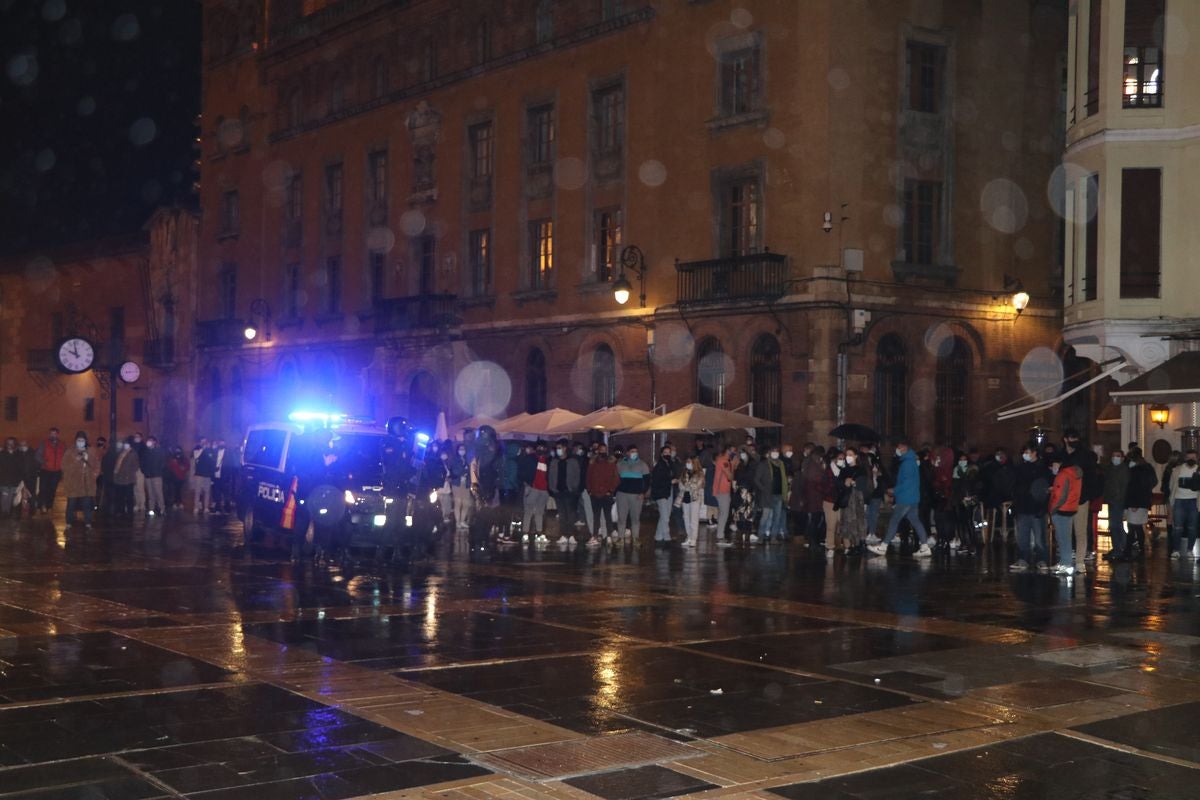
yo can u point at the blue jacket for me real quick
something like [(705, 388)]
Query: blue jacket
[(908, 480)]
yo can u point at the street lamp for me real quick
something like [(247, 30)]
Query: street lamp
[(260, 311), (1160, 415), (1020, 297), (634, 260)]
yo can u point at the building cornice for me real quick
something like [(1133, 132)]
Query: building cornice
[(1133, 135)]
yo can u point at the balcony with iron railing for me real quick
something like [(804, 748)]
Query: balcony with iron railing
[(228, 332), (159, 353), (400, 314), (40, 359), (756, 276)]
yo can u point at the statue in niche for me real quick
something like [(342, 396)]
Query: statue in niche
[(424, 124)]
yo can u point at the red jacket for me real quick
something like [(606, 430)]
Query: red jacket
[(50, 455), (602, 478), (1064, 495)]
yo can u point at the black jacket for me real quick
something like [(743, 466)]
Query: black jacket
[(1031, 488), (1142, 482), (660, 479), (10, 468), (1093, 482), (153, 461)]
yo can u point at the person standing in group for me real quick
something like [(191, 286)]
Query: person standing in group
[(10, 477), (565, 484), (460, 487), (722, 489), (204, 465), (908, 498), (869, 456), (101, 452), (1139, 497), (139, 484), (631, 493), (1064, 504), (966, 488), (27, 496), (537, 492), (125, 472), (1184, 485), (584, 504), (943, 509), (218, 476), (853, 488), (79, 480), (49, 458), (690, 499), (603, 480), (997, 478), (108, 466), (153, 460), (663, 481), (1075, 454), (770, 489), (745, 509), (1031, 492), (174, 478), (835, 462), (1116, 488), (812, 478)]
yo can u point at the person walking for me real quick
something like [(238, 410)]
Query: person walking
[(125, 472), (908, 499), (1184, 485), (10, 477), (631, 492), (49, 458), (153, 462), (1031, 492), (690, 499), (663, 481), (565, 484), (722, 490), (79, 480), (1139, 497), (602, 483), (1116, 488)]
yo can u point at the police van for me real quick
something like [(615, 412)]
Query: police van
[(335, 481)]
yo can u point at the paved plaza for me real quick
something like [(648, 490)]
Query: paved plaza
[(168, 660)]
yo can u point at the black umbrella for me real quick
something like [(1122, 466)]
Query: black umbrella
[(854, 432)]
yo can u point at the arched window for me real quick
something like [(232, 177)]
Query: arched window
[(604, 377), (710, 373), (891, 387), (950, 400), (535, 381), (423, 401), (766, 384)]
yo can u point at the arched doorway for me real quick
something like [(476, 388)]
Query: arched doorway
[(766, 384), (950, 399), (710, 373), (891, 388)]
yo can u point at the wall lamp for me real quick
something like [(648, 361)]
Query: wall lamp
[(1020, 297), (259, 322), (1160, 415), (634, 260)]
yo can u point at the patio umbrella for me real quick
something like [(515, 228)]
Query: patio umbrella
[(540, 424), (502, 425), (474, 423), (697, 418), (855, 432), (609, 420), (440, 431)]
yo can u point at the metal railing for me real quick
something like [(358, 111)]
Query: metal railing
[(757, 276), (398, 314)]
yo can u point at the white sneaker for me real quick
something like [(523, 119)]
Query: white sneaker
[(873, 539), (955, 544), (724, 543), (754, 538), (593, 542), (1064, 569), (1175, 556), (878, 549), (923, 552), (689, 543)]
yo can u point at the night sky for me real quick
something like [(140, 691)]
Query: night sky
[(98, 100)]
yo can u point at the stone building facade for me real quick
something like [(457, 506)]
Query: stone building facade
[(424, 206)]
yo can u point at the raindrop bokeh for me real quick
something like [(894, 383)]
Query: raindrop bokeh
[(1004, 205), (143, 131), (652, 173), (412, 222), (125, 28), (1041, 372)]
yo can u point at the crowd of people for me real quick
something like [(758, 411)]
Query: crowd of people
[(136, 476)]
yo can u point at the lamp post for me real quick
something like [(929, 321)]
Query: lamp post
[(259, 322), (634, 260)]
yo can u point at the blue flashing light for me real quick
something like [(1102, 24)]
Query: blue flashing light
[(422, 438), (324, 417)]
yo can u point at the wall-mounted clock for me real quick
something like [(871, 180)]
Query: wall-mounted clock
[(75, 355), (130, 372)]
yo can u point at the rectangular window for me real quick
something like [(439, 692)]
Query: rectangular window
[(480, 248), (429, 61), (139, 409), (377, 164), (741, 212), (740, 82), (116, 323), (544, 21), (293, 207), (333, 285), (10, 408), (541, 135), (482, 150), (377, 277), (608, 115), (610, 9), (293, 301), (1092, 98), (426, 247), (1143, 62), (925, 66), (1141, 230), (608, 243), (227, 291), (541, 251), (89, 409), (1091, 237), (230, 213), (922, 220), (333, 189), (483, 41)]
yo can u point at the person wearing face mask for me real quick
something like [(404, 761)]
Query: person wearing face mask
[(1077, 455), (770, 488), (49, 458), (722, 489), (124, 477), (997, 477), (854, 484), (663, 480), (944, 509), (79, 480), (812, 479), (966, 503), (631, 493), (1064, 504), (745, 509), (462, 503), (153, 465), (690, 499), (1116, 487), (1139, 498), (1031, 491), (565, 485), (908, 498), (537, 494), (437, 476), (204, 466), (1184, 485), (10, 476), (835, 462), (584, 456), (603, 480)]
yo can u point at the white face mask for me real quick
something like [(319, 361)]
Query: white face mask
[(774, 456), (851, 460), (690, 467), (1116, 461), (1028, 457), (962, 464), (745, 457), (899, 452), (841, 462), (81, 443), (787, 454)]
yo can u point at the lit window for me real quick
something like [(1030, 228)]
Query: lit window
[(608, 243), (1142, 79), (541, 135), (541, 241)]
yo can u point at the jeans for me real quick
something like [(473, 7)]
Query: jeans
[(1184, 530), (873, 506), (1031, 539), (662, 533), (723, 515), (901, 513), (8, 495), (601, 512), (1062, 535), (83, 504), (535, 510), (629, 513), (1116, 529), (773, 521), (154, 495), (47, 486), (691, 520)]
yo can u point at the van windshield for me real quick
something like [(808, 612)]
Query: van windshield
[(359, 457)]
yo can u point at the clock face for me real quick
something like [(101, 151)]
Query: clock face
[(130, 372), (76, 355)]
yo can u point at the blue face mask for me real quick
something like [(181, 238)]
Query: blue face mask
[(633, 456)]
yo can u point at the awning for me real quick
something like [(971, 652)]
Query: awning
[(1110, 417), (1176, 380), (1110, 368)]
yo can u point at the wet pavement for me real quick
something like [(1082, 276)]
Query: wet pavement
[(169, 660)]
